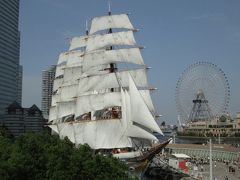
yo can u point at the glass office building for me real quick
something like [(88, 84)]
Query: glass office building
[(10, 70), (48, 77)]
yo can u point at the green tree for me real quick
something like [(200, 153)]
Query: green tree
[(42, 156)]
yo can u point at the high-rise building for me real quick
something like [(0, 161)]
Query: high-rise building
[(47, 88), (19, 85), (18, 120), (10, 70)]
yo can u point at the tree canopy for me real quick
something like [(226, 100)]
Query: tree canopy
[(43, 156)]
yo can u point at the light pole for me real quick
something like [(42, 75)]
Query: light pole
[(210, 159), (219, 140)]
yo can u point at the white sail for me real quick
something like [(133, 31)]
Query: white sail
[(96, 42), (72, 73), (57, 83), (84, 84), (61, 64), (128, 109), (66, 108), (52, 114), (124, 119), (112, 80), (98, 70), (74, 58), (137, 132), (62, 58), (78, 42), (147, 99), (132, 130), (114, 21), (59, 70), (54, 128), (55, 99), (101, 134), (97, 58), (95, 102), (66, 130), (139, 110), (68, 93), (68, 59)]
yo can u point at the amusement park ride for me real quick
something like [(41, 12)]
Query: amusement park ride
[(202, 98)]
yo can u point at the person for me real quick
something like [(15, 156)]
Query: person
[(195, 168), (200, 176), (226, 178), (202, 168)]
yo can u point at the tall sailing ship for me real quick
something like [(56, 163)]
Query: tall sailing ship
[(101, 95)]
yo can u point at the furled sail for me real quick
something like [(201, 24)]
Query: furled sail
[(96, 42), (96, 58), (114, 21)]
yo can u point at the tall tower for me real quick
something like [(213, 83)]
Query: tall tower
[(10, 70), (200, 110), (47, 88)]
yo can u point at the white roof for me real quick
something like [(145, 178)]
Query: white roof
[(181, 156)]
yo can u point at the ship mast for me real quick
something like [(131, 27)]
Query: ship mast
[(87, 28), (109, 8), (112, 68)]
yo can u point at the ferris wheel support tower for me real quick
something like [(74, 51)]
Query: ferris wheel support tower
[(202, 92)]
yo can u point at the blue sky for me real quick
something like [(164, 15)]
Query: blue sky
[(175, 33)]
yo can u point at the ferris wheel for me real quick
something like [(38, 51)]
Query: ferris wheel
[(205, 80)]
